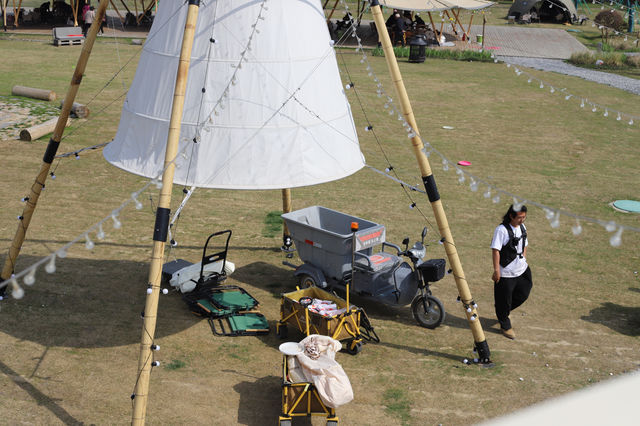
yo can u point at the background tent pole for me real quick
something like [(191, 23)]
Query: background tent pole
[(286, 208), (432, 191), (140, 396), (52, 148)]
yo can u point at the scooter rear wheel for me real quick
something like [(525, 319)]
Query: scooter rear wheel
[(428, 312), (306, 281)]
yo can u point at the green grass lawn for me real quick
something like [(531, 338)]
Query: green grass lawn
[(70, 346)]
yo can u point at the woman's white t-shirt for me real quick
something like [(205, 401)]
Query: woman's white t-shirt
[(500, 239)]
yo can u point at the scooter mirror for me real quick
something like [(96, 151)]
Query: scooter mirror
[(406, 242), (424, 233)]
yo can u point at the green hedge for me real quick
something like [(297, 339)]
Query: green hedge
[(457, 55)]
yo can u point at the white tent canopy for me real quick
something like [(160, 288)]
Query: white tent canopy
[(435, 5), (264, 100)]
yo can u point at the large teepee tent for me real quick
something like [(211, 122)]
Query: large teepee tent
[(264, 105)]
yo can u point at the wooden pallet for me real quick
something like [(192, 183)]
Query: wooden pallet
[(68, 42)]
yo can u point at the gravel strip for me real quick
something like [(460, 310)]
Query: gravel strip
[(627, 84)]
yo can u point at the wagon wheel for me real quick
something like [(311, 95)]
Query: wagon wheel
[(355, 350), (428, 312), (285, 422), (306, 281)]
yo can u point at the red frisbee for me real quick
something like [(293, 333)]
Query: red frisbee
[(464, 163)]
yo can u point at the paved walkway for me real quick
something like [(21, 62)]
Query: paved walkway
[(516, 40)]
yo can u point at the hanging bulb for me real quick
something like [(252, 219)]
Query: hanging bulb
[(582, 104), (116, 223), (606, 112), (16, 291), (566, 98), (473, 186), (556, 220), (62, 253), (594, 109), (157, 183), (516, 204), (487, 194), (496, 199), (30, 278), (100, 234), (548, 213), (616, 239), (631, 122), (610, 226), (529, 80), (165, 291), (469, 309), (541, 85), (348, 86), (88, 243), (619, 117), (134, 196), (552, 90), (50, 268), (366, 129), (445, 165), (412, 206), (149, 289), (577, 228), (508, 65)]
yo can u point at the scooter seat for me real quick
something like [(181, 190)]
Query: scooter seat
[(376, 262)]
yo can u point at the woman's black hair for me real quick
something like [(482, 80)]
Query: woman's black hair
[(511, 213)]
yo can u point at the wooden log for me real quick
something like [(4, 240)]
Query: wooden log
[(30, 92), (39, 130), (78, 110)]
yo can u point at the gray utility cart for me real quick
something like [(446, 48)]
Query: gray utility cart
[(333, 256)]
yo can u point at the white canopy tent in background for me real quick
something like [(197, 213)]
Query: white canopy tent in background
[(264, 101), (435, 5)]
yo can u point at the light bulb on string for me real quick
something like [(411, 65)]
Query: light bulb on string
[(496, 199), (577, 228), (631, 122), (548, 213), (88, 244), (487, 193), (100, 234), (157, 182), (473, 186), (616, 239), (541, 85), (606, 112), (116, 223), (445, 165), (594, 109), (556, 220), (610, 226), (582, 104), (134, 197), (17, 292), (50, 268), (552, 90), (529, 80), (517, 205), (30, 278), (460, 174), (62, 253), (566, 98), (619, 117)]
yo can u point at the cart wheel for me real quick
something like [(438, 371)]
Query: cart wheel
[(285, 422), (428, 313), (283, 331), (307, 281), (355, 350), (332, 423)]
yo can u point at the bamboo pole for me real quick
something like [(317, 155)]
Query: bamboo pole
[(140, 396), (52, 148), (286, 208), (432, 191), (453, 27), (4, 14)]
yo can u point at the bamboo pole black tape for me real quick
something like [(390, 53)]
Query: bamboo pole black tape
[(431, 188), (484, 354), (51, 151), (161, 228)]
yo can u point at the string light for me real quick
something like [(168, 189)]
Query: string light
[(577, 228), (51, 266), (30, 278), (116, 223), (100, 234), (17, 292), (88, 243), (616, 239)]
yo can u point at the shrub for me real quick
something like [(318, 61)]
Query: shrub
[(582, 58), (633, 61), (613, 60), (610, 19)]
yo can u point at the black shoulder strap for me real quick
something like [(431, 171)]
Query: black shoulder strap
[(509, 231)]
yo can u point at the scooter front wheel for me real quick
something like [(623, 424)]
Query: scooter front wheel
[(428, 311)]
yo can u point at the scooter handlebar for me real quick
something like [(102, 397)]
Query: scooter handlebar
[(398, 249)]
